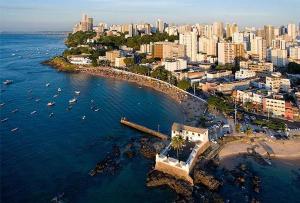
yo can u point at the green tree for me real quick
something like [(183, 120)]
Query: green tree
[(184, 85), (79, 38), (293, 68), (129, 61), (177, 143)]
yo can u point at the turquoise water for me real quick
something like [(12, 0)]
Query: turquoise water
[(49, 156)]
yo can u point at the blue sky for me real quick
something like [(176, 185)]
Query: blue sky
[(37, 15)]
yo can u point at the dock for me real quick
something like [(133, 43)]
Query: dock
[(143, 129)]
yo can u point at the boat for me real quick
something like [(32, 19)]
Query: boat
[(51, 114), (72, 101), (48, 84), (15, 129), (34, 112), (77, 92), (55, 96), (13, 54), (8, 82), (59, 90), (37, 100), (96, 110), (4, 120), (14, 111), (51, 104), (2, 104), (83, 117)]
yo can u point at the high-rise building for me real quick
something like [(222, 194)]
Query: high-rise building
[(269, 34), (294, 53), (230, 29), (218, 29), (208, 45), (86, 24), (165, 50), (292, 31), (190, 40), (228, 52), (279, 57), (160, 26), (278, 44), (259, 48)]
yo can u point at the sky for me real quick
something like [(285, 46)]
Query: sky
[(61, 15)]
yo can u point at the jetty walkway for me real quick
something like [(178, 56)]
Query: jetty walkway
[(124, 121)]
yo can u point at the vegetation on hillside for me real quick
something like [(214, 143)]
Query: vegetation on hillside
[(219, 104), (79, 38), (293, 68), (184, 85), (61, 64), (162, 74)]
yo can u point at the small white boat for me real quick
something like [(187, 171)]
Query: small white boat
[(59, 90), (77, 92), (2, 104), (8, 82), (34, 112), (48, 84), (14, 111), (96, 110), (4, 120), (72, 101), (83, 117), (13, 54), (51, 104), (15, 129), (55, 96), (51, 114), (37, 100)]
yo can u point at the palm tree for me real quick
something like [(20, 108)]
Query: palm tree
[(177, 143)]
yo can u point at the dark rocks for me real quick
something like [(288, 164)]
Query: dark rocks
[(157, 178), (109, 164), (201, 177)]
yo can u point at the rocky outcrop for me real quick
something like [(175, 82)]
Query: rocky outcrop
[(157, 178), (108, 164), (201, 177)]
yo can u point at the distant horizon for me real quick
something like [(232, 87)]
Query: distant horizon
[(37, 15)]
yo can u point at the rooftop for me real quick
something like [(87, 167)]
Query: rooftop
[(178, 127)]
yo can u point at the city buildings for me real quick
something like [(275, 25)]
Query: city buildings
[(244, 73), (228, 52), (279, 57), (86, 24), (165, 50), (190, 40), (276, 83), (175, 64)]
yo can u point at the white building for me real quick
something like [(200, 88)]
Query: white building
[(294, 53), (174, 64), (279, 57), (244, 73), (191, 133), (208, 45), (190, 40), (292, 31), (276, 83), (225, 53), (160, 25), (259, 48), (80, 60)]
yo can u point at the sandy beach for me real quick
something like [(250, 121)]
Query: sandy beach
[(192, 107), (274, 148)]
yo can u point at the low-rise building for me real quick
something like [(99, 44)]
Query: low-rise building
[(218, 74), (276, 83), (80, 60), (244, 73), (195, 143), (174, 64), (112, 55)]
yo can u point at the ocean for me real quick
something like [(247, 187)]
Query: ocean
[(51, 155)]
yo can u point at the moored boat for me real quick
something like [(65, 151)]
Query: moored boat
[(77, 92), (72, 101), (8, 82), (51, 104)]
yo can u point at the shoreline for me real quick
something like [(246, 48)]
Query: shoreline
[(275, 149), (191, 106)]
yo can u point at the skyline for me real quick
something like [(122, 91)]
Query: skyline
[(38, 15)]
